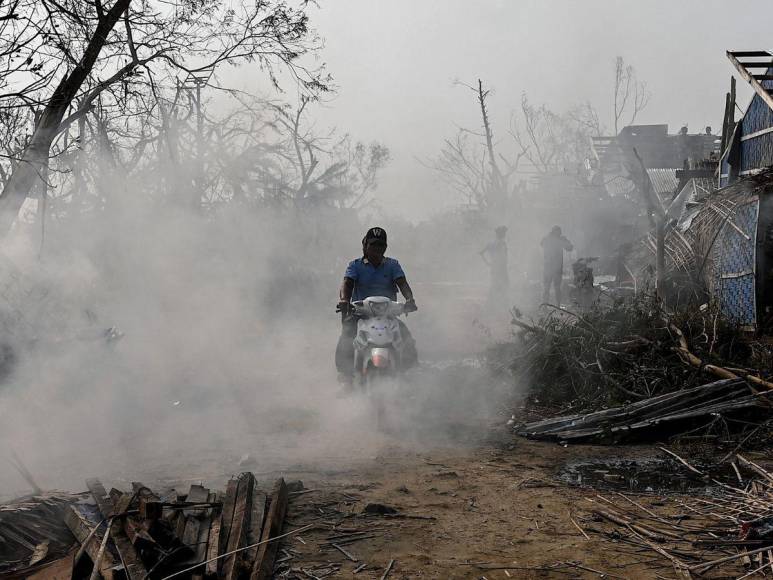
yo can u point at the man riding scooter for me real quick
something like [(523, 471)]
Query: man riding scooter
[(372, 275)]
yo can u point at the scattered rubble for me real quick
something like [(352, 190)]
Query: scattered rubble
[(667, 413), (33, 533), (287, 532), (633, 371), (139, 535), (726, 525)]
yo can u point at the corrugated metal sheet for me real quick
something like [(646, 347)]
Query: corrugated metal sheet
[(699, 188), (619, 185), (663, 180)]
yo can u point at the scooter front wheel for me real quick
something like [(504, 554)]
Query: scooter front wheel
[(376, 387)]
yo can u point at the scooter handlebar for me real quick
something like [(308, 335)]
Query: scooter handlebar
[(395, 308)]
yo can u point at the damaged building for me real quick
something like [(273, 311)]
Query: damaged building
[(725, 237)]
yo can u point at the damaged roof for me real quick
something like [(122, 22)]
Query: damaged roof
[(663, 180)]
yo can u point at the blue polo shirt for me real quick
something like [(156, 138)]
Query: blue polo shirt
[(370, 280)]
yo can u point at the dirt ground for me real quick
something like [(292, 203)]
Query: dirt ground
[(478, 502), (472, 499), (489, 510)]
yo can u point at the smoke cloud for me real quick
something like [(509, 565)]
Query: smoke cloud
[(153, 341)]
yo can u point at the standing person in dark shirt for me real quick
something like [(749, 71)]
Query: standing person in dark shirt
[(372, 275), (553, 246), (495, 256)]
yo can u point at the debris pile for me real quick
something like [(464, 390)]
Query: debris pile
[(33, 533), (630, 369), (661, 414), (138, 535), (145, 534), (707, 535)]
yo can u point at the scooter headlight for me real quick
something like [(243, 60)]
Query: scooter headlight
[(379, 308)]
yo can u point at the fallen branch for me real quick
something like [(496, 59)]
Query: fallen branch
[(385, 575), (754, 467), (576, 525), (656, 535), (705, 567), (720, 372), (683, 462)]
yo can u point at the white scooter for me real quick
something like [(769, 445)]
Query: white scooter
[(378, 344)]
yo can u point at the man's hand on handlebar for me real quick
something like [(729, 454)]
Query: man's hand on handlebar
[(410, 306), (344, 307)]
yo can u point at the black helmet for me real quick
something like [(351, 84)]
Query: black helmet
[(375, 235)]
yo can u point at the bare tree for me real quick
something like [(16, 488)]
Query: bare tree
[(537, 136), (474, 170), (30, 29), (15, 126), (325, 169), (363, 163), (586, 117), (462, 165), (259, 154), (59, 57), (496, 183), (552, 141), (631, 96)]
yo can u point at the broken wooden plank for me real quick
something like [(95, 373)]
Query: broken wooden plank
[(196, 494), (742, 69), (137, 533), (761, 64), (150, 505), (202, 543), (239, 525), (229, 503), (192, 529), (264, 563), (82, 529), (750, 53), (190, 535), (179, 524), (135, 569), (133, 528), (257, 516), (122, 503), (213, 544), (100, 496)]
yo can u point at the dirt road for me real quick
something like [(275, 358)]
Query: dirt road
[(455, 495), (492, 509), (470, 499)]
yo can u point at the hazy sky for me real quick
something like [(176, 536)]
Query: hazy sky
[(395, 62)]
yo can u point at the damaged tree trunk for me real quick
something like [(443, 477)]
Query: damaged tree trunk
[(496, 187), (30, 166)]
